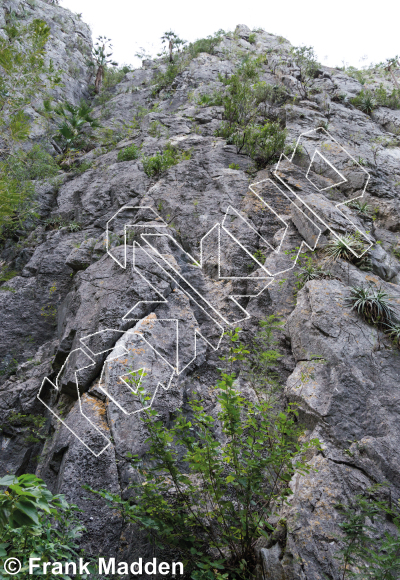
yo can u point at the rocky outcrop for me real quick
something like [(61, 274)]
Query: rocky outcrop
[(342, 372)]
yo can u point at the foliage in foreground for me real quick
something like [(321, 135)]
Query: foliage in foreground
[(210, 500), (366, 553), (35, 523)]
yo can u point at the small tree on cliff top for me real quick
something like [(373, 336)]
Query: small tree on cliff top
[(101, 59)]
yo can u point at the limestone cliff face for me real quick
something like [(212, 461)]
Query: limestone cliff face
[(69, 49), (342, 372)]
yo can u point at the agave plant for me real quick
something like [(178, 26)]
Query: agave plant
[(393, 331), (343, 247), (361, 207), (373, 304), (365, 101)]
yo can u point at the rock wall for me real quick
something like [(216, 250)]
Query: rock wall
[(343, 373)]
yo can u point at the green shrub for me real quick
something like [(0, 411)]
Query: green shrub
[(128, 153), (304, 58), (234, 166), (252, 38), (31, 424), (26, 76), (164, 80), (216, 98), (36, 523), (246, 124), (262, 359), (114, 75), (162, 161), (374, 555), (386, 99), (262, 143), (392, 329), (210, 500), (205, 44), (6, 274)]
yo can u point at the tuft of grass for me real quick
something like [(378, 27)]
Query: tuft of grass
[(252, 38)]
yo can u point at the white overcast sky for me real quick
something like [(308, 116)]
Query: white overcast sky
[(342, 30)]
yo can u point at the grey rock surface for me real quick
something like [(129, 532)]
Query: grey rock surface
[(87, 318)]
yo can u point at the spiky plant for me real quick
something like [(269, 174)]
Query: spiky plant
[(393, 331), (311, 272), (365, 101), (343, 247), (361, 208), (373, 304)]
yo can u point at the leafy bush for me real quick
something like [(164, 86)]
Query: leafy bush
[(245, 122), (234, 166), (216, 98), (386, 99), (210, 500), (262, 143), (162, 161), (25, 77), (36, 523), (374, 304), (262, 359), (128, 153), (305, 60), (114, 75), (164, 80), (374, 555), (31, 424), (252, 38)]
